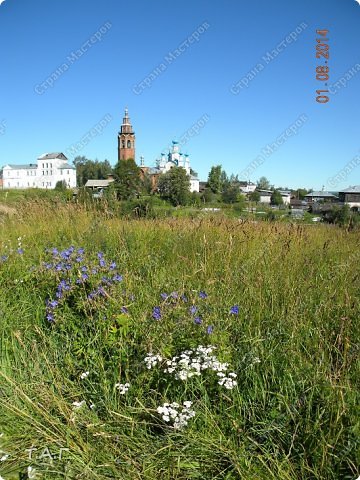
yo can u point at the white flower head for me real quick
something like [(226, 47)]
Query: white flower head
[(122, 387), (78, 405), (84, 375)]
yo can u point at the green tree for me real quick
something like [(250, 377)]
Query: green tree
[(87, 169), (230, 193), (254, 196), (60, 185), (214, 181), (276, 198), (127, 179), (300, 193), (174, 186), (263, 183)]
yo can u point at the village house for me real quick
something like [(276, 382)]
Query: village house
[(320, 196), (351, 197), (50, 169)]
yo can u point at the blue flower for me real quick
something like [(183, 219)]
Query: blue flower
[(117, 278), (55, 251), (174, 294), (50, 317), (156, 313), (164, 296), (83, 268), (184, 298), (52, 303), (234, 310), (4, 258), (203, 295), (102, 262), (193, 309), (197, 320), (84, 276), (209, 329), (80, 251), (20, 251), (124, 310), (112, 266)]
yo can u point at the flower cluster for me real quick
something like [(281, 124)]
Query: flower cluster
[(171, 412), (193, 362), (152, 360), (122, 387), (76, 274)]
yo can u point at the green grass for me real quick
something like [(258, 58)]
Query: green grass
[(294, 346)]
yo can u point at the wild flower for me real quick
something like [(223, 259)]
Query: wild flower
[(20, 251), (156, 313), (234, 310), (164, 296), (193, 309), (170, 412), (78, 405), (228, 382), (122, 387), (124, 310), (152, 360), (4, 457), (198, 320), (202, 294), (84, 375), (210, 329)]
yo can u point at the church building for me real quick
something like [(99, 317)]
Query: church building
[(126, 150)]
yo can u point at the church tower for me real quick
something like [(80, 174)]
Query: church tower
[(126, 139)]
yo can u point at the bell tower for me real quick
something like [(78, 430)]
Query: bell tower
[(126, 139)]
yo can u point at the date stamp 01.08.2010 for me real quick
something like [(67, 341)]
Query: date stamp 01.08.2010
[(322, 71)]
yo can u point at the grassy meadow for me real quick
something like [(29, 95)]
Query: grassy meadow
[(85, 297)]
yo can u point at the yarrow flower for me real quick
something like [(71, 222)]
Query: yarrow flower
[(170, 412), (122, 387), (152, 360), (78, 405), (84, 375), (228, 382)]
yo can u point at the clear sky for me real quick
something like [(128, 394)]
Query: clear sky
[(182, 69)]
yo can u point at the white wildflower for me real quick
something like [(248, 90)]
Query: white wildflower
[(152, 360), (78, 405), (171, 412), (122, 387), (84, 375), (4, 457)]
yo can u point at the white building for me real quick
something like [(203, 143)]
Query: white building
[(49, 169), (177, 159)]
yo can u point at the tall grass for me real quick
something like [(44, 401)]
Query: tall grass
[(293, 344)]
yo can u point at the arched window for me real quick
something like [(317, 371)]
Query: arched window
[(128, 144), (123, 144)]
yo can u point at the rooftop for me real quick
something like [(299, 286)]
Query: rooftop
[(321, 193), (49, 156), (353, 189)]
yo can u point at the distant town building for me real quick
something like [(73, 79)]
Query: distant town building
[(49, 169), (247, 187), (320, 196), (351, 196)]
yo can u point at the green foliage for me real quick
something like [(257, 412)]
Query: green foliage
[(174, 186), (276, 198), (263, 184), (60, 185), (215, 179), (127, 179), (91, 170), (293, 342), (254, 196)]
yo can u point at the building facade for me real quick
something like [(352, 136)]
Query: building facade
[(49, 169), (351, 196)]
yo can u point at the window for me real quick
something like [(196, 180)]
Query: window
[(8, 174), (43, 172), (17, 173), (50, 165), (27, 172), (61, 172), (128, 144), (46, 165), (68, 172)]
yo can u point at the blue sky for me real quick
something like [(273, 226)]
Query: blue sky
[(201, 92)]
